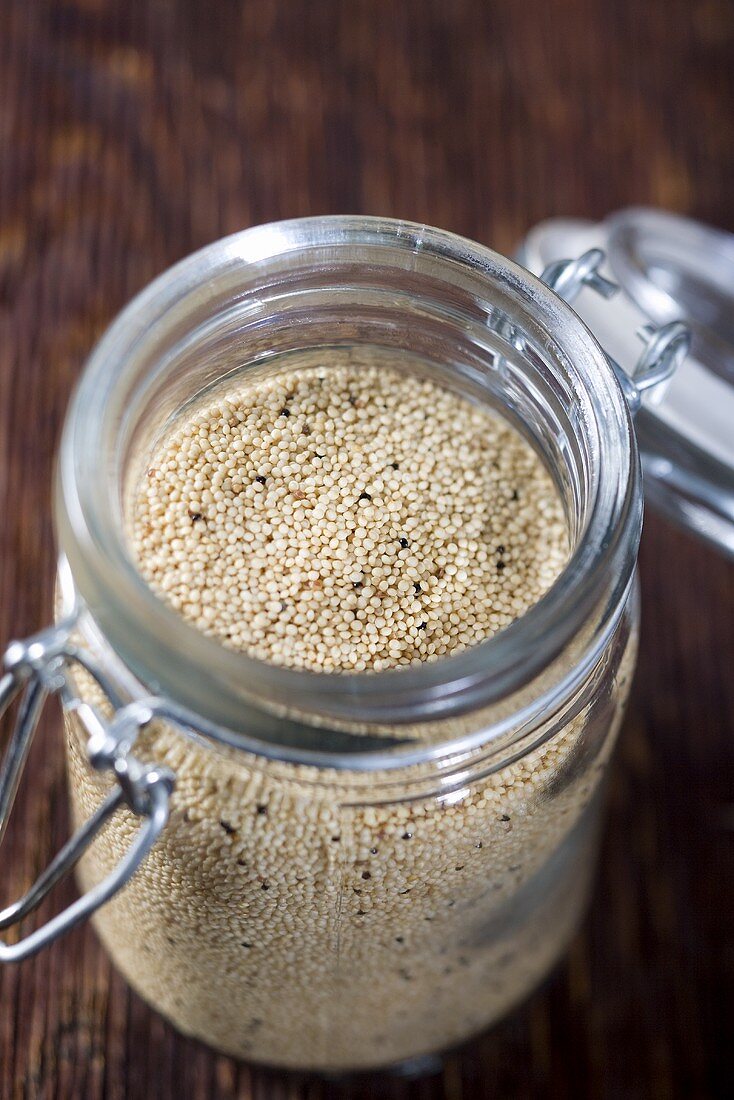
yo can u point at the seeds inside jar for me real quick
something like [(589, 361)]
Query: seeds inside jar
[(336, 920), (347, 518)]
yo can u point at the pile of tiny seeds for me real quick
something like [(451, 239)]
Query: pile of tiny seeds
[(347, 518)]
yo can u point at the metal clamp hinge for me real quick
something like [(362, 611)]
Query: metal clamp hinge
[(665, 347), (35, 669)]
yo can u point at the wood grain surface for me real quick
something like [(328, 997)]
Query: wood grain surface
[(132, 133)]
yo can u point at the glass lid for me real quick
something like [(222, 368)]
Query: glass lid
[(669, 268)]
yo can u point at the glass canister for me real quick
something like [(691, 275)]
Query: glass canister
[(337, 871)]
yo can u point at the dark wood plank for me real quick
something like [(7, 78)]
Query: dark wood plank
[(131, 134)]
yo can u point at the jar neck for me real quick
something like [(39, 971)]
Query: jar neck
[(370, 778), (491, 331)]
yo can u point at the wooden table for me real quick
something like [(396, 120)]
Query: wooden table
[(132, 133)]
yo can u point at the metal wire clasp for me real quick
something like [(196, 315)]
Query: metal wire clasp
[(665, 347), (34, 669)]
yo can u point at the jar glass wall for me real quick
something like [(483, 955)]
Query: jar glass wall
[(319, 922)]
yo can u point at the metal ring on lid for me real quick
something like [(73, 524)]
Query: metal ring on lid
[(665, 347), (673, 267), (35, 669)]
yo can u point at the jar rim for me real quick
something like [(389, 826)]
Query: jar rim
[(185, 663)]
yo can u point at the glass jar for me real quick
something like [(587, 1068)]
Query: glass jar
[(337, 871)]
